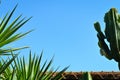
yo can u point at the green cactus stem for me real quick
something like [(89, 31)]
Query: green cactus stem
[(110, 50)]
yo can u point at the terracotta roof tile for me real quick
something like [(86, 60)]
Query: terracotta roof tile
[(95, 75)]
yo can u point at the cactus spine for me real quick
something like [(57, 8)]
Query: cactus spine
[(110, 50)]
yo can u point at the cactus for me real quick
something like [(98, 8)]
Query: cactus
[(109, 41)]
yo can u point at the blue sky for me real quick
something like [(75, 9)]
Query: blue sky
[(64, 29)]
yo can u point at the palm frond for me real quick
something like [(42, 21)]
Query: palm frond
[(34, 70), (5, 66), (8, 30), (6, 51), (8, 35)]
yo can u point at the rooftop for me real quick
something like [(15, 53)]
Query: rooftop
[(95, 75)]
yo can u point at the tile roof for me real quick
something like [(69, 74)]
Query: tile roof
[(95, 75)]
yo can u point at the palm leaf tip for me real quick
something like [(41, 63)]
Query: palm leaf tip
[(87, 76), (34, 70), (7, 32)]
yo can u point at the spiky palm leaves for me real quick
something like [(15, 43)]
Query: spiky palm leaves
[(32, 70), (112, 35), (7, 31), (17, 69), (7, 36)]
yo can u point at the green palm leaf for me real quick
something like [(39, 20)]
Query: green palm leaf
[(5, 68), (86, 76), (7, 36), (20, 70), (9, 50), (34, 70), (7, 32)]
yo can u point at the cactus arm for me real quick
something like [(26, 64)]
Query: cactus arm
[(98, 29), (104, 50), (103, 53)]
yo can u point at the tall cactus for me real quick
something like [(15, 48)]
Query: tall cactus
[(110, 50)]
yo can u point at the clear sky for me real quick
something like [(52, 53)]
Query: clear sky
[(64, 29)]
